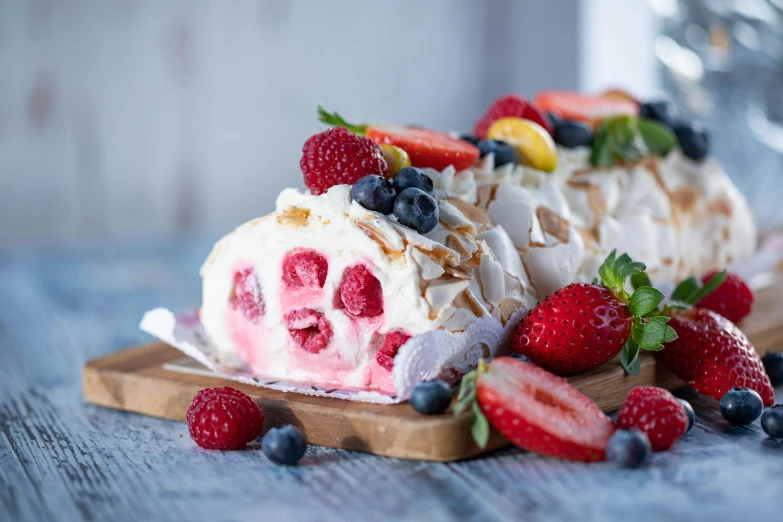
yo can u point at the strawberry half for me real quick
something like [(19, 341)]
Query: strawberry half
[(584, 325), (581, 107), (711, 354), (535, 410), (426, 148), (510, 105)]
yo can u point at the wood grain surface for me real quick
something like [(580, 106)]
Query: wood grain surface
[(63, 459)]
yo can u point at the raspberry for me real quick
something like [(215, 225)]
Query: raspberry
[(337, 156), (657, 413), (310, 329), (247, 294), (224, 419), (305, 268), (361, 292), (391, 345), (733, 299)]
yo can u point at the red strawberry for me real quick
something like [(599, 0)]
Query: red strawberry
[(224, 419), (657, 413), (584, 325), (535, 410), (337, 156), (711, 354), (391, 345), (426, 148), (581, 107), (733, 299), (511, 105)]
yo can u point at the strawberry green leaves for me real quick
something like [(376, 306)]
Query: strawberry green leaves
[(649, 329), (466, 400), (625, 139), (335, 120)]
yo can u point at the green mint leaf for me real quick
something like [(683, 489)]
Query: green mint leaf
[(644, 300), (480, 427), (686, 289), (606, 270), (629, 357), (653, 334), (335, 120), (658, 138), (640, 279), (709, 287)]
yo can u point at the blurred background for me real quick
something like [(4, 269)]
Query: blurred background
[(123, 119)]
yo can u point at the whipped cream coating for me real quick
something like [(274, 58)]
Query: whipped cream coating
[(680, 217), (463, 270)]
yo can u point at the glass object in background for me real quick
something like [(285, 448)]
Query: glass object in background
[(722, 64)]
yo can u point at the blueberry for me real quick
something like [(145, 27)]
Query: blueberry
[(470, 138), (628, 448), (504, 153), (694, 140), (690, 413), (572, 134), (374, 193), (660, 111), (741, 406), (284, 445), (431, 397), (416, 209), (772, 422), (520, 357), (554, 119), (773, 365), (412, 177)]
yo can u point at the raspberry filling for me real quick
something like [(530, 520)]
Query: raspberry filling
[(247, 294), (391, 345), (360, 292), (310, 329), (305, 268)]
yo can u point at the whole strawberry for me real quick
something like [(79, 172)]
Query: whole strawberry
[(510, 105), (224, 419), (657, 413), (338, 156), (733, 299), (712, 355), (535, 410), (584, 325)]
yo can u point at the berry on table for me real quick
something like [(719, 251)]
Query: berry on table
[(691, 414), (284, 445), (391, 345), (416, 209), (514, 106), (396, 158), (628, 448), (504, 153), (733, 299), (337, 156), (360, 292), (374, 193), (772, 421), (660, 111), (741, 406), (694, 140), (431, 397), (532, 142), (656, 412), (305, 268), (773, 365), (224, 419), (412, 177), (572, 134)]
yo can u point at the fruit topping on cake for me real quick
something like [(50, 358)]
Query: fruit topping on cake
[(510, 106), (582, 107)]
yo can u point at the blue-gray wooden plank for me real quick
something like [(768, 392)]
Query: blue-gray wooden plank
[(62, 459)]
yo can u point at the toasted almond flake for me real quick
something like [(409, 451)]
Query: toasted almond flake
[(595, 198), (294, 215), (384, 241), (428, 269), (684, 198), (553, 223), (473, 213), (452, 218), (460, 245), (507, 308), (441, 293), (486, 195)]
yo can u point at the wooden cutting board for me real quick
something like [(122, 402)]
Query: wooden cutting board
[(136, 380)]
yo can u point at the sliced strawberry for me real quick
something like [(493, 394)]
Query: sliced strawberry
[(511, 105), (581, 107), (426, 148), (538, 411)]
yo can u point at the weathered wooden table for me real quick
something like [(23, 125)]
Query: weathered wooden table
[(61, 459)]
